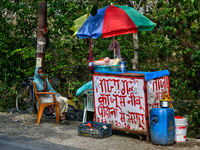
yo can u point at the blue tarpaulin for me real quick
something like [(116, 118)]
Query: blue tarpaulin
[(147, 75), (152, 75), (86, 86)]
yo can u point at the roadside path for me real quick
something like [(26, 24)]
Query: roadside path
[(22, 126), (8, 142)]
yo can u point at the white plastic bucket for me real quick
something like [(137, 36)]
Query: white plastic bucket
[(180, 121), (180, 129), (180, 138)]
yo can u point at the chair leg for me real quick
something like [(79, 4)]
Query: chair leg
[(40, 111), (85, 115), (57, 113)]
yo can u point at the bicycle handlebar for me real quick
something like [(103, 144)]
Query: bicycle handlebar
[(30, 78)]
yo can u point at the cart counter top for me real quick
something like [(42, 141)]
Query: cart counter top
[(147, 75)]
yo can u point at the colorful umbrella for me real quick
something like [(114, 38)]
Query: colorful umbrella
[(79, 22), (111, 21)]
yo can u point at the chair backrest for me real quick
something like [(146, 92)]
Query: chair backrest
[(86, 92), (35, 91), (88, 95), (90, 102)]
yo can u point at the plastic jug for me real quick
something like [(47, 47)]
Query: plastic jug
[(123, 66)]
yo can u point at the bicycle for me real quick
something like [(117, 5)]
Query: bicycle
[(26, 101)]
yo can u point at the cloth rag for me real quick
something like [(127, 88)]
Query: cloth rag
[(113, 45)]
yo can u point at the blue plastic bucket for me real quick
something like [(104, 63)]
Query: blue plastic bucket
[(162, 126)]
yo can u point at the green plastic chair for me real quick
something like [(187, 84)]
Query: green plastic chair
[(88, 102)]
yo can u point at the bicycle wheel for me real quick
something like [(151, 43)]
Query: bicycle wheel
[(49, 111), (24, 103)]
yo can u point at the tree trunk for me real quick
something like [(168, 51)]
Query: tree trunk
[(135, 60), (41, 40), (145, 7)]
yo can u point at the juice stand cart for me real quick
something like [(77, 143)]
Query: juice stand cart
[(121, 98), (125, 99)]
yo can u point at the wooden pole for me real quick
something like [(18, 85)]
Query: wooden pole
[(41, 40), (135, 60)]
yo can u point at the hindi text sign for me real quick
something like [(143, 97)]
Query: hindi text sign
[(120, 100)]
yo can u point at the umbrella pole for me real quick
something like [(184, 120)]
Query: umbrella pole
[(135, 60), (90, 55), (114, 48)]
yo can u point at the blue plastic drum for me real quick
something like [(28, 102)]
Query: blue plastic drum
[(162, 126)]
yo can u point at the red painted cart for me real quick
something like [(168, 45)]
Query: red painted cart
[(125, 99)]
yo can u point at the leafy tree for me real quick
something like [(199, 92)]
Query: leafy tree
[(177, 38), (17, 25)]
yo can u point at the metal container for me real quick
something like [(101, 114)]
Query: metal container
[(164, 104)]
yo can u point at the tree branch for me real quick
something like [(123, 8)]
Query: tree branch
[(139, 5), (134, 6), (130, 3)]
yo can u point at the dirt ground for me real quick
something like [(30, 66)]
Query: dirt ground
[(24, 125)]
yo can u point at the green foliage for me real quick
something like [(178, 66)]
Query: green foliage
[(94, 10), (189, 108), (178, 51), (194, 120), (17, 24), (7, 96)]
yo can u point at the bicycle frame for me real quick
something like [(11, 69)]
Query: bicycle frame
[(29, 86)]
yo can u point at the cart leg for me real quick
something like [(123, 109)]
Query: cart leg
[(85, 115), (140, 137), (147, 138)]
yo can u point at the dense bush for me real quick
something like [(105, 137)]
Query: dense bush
[(7, 96)]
